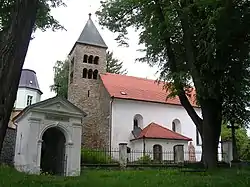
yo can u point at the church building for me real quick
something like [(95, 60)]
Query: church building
[(121, 108)]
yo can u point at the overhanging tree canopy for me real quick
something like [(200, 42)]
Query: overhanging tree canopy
[(18, 19), (206, 42)]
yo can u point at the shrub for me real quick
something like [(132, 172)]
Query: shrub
[(90, 156), (146, 159)]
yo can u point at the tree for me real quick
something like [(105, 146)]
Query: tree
[(242, 139), (61, 71), (61, 74), (113, 64), (245, 151), (204, 43), (18, 19)]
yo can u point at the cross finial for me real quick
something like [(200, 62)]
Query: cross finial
[(90, 15), (57, 88)]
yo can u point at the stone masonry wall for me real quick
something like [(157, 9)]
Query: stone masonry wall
[(90, 96), (8, 151), (105, 115)]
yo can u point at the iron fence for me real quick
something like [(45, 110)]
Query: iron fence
[(101, 157), (163, 157)]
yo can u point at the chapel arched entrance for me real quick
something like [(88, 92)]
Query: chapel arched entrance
[(53, 152)]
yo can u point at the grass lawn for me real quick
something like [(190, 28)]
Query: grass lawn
[(130, 178)]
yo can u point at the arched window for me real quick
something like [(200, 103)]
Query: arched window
[(176, 126), (157, 153), (90, 60), (173, 127), (198, 138), (95, 74), (138, 121), (90, 73), (96, 59), (84, 73), (85, 58)]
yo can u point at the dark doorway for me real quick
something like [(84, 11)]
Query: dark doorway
[(53, 152)]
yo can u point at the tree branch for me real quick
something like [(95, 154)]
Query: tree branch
[(187, 39), (172, 60)]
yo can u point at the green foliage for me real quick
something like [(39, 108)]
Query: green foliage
[(242, 140), (146, 159), (93, 156), (61, 71), (44, 19), (132, 178), (45, 173), (113, 64), (245, 150)]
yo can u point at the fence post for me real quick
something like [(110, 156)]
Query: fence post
[(178, 154), (227, 151), (123, 155)]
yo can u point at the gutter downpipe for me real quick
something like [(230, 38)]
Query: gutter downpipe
[(110, 123)]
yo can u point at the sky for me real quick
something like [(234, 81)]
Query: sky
[(48, 47)]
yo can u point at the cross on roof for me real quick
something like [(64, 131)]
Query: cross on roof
[(90, 8)]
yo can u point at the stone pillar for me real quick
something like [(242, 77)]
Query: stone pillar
[(179, 154), (123, 155), (69, 168), (67, 157), (227, 151), (38, 159)]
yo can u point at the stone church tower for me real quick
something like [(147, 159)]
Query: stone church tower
[(85, 89)]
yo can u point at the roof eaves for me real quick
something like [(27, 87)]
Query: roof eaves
[(93, 44), (150, 101), (29, 87), (179, 139)]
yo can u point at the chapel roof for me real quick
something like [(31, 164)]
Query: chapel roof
[(91, 36), (29, 80), (47, 102), (155, 131), (141, 89)]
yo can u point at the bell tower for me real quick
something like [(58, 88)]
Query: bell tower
[(87, 61)]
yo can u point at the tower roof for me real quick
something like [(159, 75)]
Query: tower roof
[(29, 80), (90, 35)]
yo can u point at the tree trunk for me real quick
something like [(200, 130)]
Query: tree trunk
[(211, 111), (193, 115), (14, 42), (210, 126)]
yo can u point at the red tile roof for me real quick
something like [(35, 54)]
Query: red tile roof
[(155, 131), (135, 88)]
